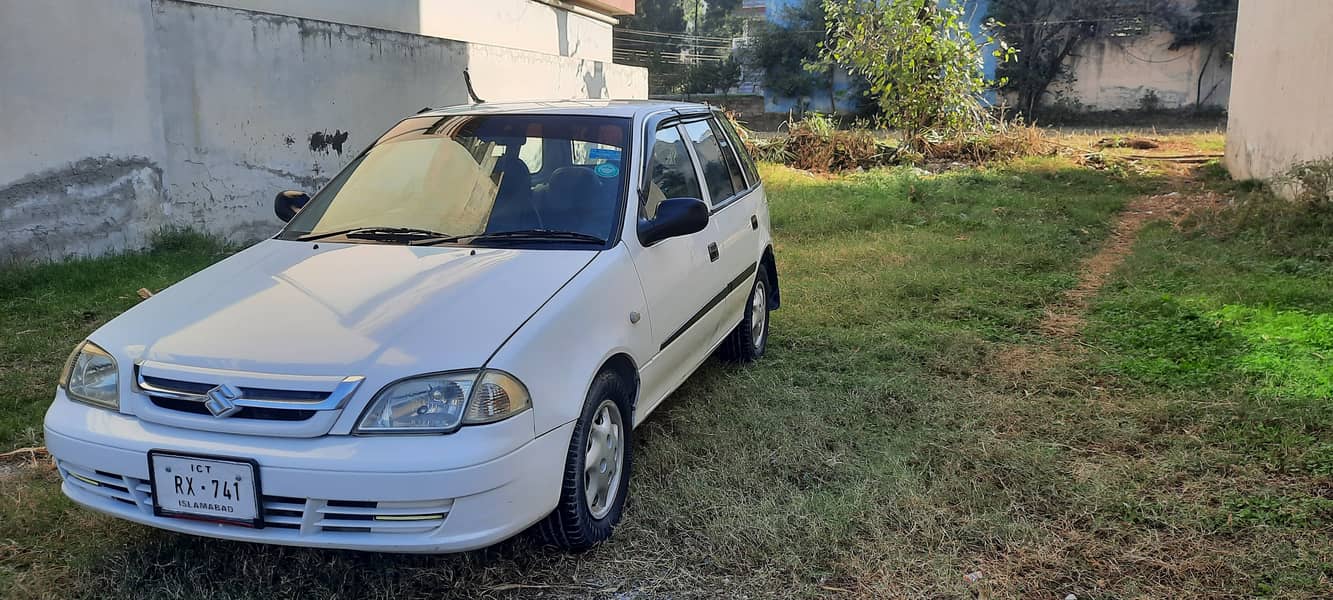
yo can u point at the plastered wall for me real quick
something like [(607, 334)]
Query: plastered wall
[(520, 24), (1119, 73)]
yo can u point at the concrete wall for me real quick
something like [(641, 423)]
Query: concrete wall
[(1279, 101), (522, 24), (122, 117), (80, 122), (1117, 73)]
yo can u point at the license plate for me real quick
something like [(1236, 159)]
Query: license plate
[(209, 488)]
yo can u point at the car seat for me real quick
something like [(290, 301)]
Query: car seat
[(513, 209)]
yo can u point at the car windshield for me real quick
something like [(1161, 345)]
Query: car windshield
[(509, 179)]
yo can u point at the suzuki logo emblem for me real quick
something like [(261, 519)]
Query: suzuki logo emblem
[(221, 401)]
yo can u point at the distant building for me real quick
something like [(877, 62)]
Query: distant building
[(1279, 94)]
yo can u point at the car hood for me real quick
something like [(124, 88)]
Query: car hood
[(296, 308)]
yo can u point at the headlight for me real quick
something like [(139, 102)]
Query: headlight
[(442, 402), (91, 377)]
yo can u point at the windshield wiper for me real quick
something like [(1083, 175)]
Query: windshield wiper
[(378, 233), (537, 235)]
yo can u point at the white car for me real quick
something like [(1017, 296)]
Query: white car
[(450, 343)]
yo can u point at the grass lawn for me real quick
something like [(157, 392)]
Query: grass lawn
[(910, 424)]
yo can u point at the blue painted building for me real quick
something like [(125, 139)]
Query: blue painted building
[(775, 11)]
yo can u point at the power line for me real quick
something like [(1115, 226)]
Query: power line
[(1111, 19), (667, 44), (673, 35), (1065, 22)]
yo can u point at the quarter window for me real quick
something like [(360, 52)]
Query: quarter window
[(671, 174), (717, 176), (747, 161)]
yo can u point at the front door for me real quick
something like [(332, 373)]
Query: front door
[(677, 274)]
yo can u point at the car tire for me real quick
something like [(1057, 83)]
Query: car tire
[(580, 521), (748, 341)]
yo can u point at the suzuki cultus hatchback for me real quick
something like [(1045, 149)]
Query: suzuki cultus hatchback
[(450, 343)]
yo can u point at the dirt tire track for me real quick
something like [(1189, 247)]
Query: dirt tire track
[(1064, 320)]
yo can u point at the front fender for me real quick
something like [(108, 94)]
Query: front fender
[(559, 350)]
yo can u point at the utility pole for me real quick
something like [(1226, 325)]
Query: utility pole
[(696, 32)]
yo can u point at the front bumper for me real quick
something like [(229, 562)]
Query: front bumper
[(463, 491)]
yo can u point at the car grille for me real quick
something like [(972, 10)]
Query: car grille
[(197, 408), (306, 516), (193, 401)]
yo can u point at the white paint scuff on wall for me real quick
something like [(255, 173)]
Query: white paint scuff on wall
[(169, 113)]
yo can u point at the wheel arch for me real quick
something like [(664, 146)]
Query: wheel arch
[(623, 366), (771, 267)]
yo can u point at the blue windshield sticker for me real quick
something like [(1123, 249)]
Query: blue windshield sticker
[(607, 170), (604, 154)]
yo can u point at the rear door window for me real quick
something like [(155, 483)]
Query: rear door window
[(729, 157), (717, 176)]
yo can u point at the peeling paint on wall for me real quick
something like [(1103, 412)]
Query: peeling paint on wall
[(323, 142), (307, 183)]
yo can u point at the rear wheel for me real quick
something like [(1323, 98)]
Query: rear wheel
[(597, 469), (748, 341)]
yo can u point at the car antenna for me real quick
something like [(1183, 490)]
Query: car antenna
[(467, 79)]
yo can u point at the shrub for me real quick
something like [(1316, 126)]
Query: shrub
[(996, 141), (1311, 183), (815, 143)]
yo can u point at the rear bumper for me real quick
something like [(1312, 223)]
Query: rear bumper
[(326, 492)]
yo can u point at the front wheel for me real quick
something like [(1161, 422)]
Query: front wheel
[(597, 469), (748, 341)]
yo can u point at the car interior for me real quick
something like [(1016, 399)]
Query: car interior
[(557, 183)]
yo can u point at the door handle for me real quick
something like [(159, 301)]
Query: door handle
[(754, 222), (712, 252)]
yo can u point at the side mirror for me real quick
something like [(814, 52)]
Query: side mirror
[(288, 203), (675, 217)]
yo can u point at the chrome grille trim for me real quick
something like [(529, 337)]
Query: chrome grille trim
[(334, 401)]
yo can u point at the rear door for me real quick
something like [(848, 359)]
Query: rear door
[(735, 244)]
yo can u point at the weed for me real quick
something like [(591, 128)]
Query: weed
[(1311, 184)]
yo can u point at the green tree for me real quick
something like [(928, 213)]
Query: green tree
[(720, 18), (789, 53), (919, 58), (1046, 33), (660, 54), (666, 16), (711, 76), (1210, 25)]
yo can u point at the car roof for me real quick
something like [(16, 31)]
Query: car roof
[(601, 108)]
